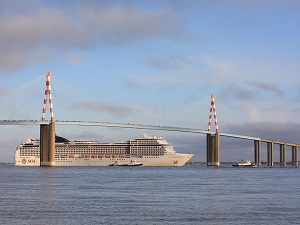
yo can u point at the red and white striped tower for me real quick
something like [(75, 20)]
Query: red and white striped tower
[(48, 93), (213, 109)]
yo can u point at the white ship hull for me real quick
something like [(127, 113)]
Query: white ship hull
[(176, 159), (149, 151)]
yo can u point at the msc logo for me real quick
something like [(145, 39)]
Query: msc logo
[(31, 161), (24, 161)]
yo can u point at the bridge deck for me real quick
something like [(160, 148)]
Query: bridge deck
[(141, 126)]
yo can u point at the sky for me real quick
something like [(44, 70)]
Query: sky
[(154, 62)]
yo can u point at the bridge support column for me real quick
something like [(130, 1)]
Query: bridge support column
[(282, 154), (44, 134), (294, 156), (257, 160), (47, 144), (270, 153), (213, 149)]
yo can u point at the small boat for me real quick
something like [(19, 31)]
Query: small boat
[(132, 163), (244, 164)]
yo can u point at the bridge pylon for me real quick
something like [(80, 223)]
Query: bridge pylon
[(47, 131), (213, 140)]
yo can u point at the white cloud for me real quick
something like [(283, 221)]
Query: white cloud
[(27, 38), (219, 70), (117, 25), (263, 111), (191, 69)]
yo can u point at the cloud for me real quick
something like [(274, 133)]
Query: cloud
[(283, 131), (234, 91), (263, 111), (196, 6), (167, 79), (209, 69), (31, 38), (13, 59), (173, 62), (35, 36), (250, 91), (103, 107), (132, 84), (182, 69), (219, 70), (45, 28), (127, 112), (268, 88), (119, 25)]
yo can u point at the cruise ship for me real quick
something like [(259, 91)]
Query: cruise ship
[(146, 150)]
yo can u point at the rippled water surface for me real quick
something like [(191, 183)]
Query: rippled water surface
[(145, 195)]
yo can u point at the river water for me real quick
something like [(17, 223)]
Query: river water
[(146, 195)]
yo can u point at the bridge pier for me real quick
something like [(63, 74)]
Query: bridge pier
[(294, 155), (257, 160), (47, 144), (213, 149), (270, 153), (282, 154)]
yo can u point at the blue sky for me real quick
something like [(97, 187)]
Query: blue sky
[(157, 62)]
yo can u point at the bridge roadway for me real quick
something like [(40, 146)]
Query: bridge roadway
[(125, 125)]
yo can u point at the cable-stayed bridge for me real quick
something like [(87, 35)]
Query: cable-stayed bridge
[(213, 145), (125, 125)]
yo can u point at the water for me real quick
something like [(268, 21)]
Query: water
[(145, 195)]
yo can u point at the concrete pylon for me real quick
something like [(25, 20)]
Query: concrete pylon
[(257, 160), (270, 154), (213, 149), (47, 144), (295, 155), (282, 154), (44, 144)]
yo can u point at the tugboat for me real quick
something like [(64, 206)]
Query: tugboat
[(244, 164)]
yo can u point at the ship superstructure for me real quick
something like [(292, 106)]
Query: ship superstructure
[(150, 151)]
